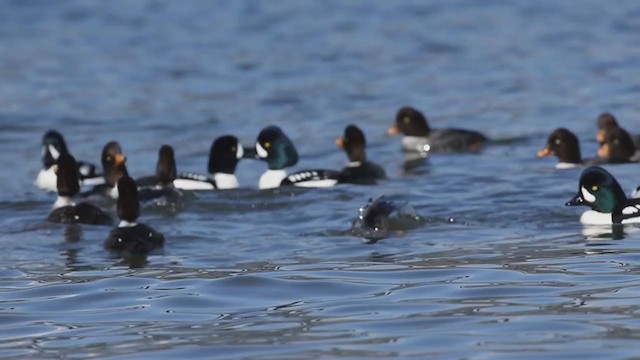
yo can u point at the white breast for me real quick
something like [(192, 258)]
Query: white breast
[(415, 144), (317, 183), (591, 217), (47, 180), (226, 181), (272, 179)]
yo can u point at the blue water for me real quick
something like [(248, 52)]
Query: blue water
[(498, 268)]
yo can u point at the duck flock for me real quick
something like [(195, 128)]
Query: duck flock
[(63, 174)]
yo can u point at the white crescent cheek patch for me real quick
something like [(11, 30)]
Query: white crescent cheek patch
[(239, 152), (54, 153), (587, 196), (261, 151)]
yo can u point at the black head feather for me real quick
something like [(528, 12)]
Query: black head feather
[(128, 206), (354, 143), (166, 169), (412, 122), (223, 156), (67, 176)]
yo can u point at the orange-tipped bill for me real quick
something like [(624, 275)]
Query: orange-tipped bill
[(393, 130), (604, 151), (340, 142), (601, 135), (120, 159), (544, 152)]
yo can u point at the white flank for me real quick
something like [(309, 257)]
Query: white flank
[(226, 181), (62, 201), (415, 144), (587, 196), (271, 178), (633, 220), (353, 164), (125, 223), (92, 181), (239, 152), (564, 165), (262, 153), (188, 184), (47, 179), (592, 217)]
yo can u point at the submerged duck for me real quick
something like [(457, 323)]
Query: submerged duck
[(618, 147), (113, 165), (65, 210), (130, 236), (53, 145), (224, 156), (420, 138), (160, 184), (274, 147), (565, 145), (358, 170), (599, 190)]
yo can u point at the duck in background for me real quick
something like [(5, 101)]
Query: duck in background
[(358, 170), (65, 210), (607, 122), (130, 236), (618, 147), (113, 165), (600, 191), (420, 138), (565, 145), (53, 146), (278, 151), (160, 184), (224, 156)]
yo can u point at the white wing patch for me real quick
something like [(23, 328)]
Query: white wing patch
[(587, 196), (311, 179), (239, 152), (630, 210), (190, 184)]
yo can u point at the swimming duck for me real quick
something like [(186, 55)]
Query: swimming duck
[(160, 184), (65, 210), (618, 147), (53, 145), (224, 156), (420, 138), (274, 147), (599, 190), (358, 170), (131, 236), (113, 165), (565, 145), (607, 122)]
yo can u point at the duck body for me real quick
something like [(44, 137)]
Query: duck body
[(359, 170), (53, 145), (160, 184), (600, 191), (131, 236), (65, 210), (134, 238), (419, 137)]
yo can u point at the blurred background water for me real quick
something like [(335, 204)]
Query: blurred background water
[(498, 269)]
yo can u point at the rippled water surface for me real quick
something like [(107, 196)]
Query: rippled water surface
[(498, 267)]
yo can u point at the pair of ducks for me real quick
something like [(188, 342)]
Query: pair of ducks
[(616, 145)]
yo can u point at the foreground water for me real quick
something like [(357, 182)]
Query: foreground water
[(499, 268)]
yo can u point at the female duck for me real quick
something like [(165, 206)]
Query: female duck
[(131, 236)]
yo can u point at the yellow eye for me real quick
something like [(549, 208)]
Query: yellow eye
[(267, 145), (594, 188), (616, 142), (108, 157), (558, 141), (233, 149), (406, 119)]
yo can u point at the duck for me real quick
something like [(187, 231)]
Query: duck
[(130, 236), (420, 138), (606, 122), (565, 145), (226, 151), (65, 210), (114, 167), (600, 191), (275, 148), (160, 184), (358, 170), (53, 145), (618, 147)]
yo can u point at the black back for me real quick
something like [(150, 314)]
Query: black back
[(83, 213)]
